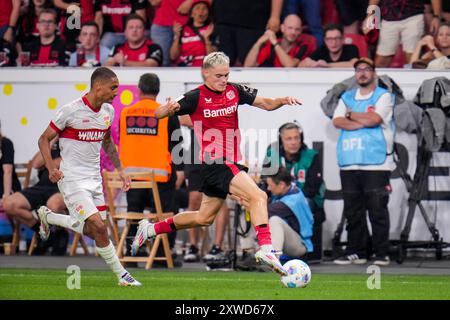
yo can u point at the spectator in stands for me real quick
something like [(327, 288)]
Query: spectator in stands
[(111, 15), (48, 49), (9, 16), (167, 13), (28, 22), (438, 52), (446, 11), (402, 22), (239, 24), (351, 14), (365, 160), (68, 28), (286, 51), (19, 205), (8, 54), (334, 54), (429, 15), (138, 50), (310, 12), (290, 218), (92, 53), (8, 177), (291, 152), (157, 138), (193, 41)]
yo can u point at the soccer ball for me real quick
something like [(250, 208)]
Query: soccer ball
[(299, 274)]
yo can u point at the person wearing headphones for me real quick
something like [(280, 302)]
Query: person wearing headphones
[(303, 163)]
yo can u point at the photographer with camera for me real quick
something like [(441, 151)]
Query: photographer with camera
[(290, 218)]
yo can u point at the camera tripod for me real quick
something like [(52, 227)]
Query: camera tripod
[(239, 230), (417, 190)]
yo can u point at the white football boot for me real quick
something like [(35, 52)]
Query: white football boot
[(127, 280), (269, 259), (141, 236), (44, 228)]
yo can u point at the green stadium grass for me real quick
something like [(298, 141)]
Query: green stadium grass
[(178, 285)]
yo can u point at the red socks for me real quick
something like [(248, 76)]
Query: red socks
[(165, 226), (263, 235)]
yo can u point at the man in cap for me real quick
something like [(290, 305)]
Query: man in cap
[(364, 152)]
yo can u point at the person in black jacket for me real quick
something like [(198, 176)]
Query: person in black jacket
[(19, 205), (49, 49)]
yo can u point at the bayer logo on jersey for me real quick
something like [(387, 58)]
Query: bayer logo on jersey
[(299, 274)]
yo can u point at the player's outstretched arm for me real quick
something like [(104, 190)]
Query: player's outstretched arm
[(270, 104), (167, 109), (44, 146), (110, 148)]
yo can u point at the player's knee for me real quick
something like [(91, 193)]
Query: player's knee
[(97, 228), (205, 221), (259, 196), (101, 229)]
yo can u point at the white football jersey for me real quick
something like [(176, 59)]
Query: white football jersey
[(81, 131)]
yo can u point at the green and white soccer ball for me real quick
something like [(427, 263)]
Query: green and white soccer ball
[(299, 274)]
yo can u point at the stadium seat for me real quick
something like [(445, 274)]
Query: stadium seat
[(140, 180), (23, 171), (359, 41), (77, 238), (310, 41), (399, 60)]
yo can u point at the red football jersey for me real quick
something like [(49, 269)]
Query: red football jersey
[(215, 118)]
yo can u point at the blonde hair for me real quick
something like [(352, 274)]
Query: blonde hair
[(215, 58)]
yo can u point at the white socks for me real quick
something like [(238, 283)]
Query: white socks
[(65, 221), (108, 254), (57, 219)]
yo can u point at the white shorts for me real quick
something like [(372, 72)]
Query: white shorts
[(408, 32), (83, 198)]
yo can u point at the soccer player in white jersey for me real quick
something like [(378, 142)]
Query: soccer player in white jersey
[(84, 126)]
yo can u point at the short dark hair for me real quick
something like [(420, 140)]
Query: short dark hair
[(91, 24), (149, 84), (50, 11), (134, 16), (333, 26), (282, 175), (102, 73)]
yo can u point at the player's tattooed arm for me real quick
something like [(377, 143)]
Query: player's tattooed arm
[(110, 148)]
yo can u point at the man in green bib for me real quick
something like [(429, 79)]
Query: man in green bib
[(304, 165)]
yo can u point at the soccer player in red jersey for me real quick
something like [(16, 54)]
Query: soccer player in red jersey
[(213, 110)]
